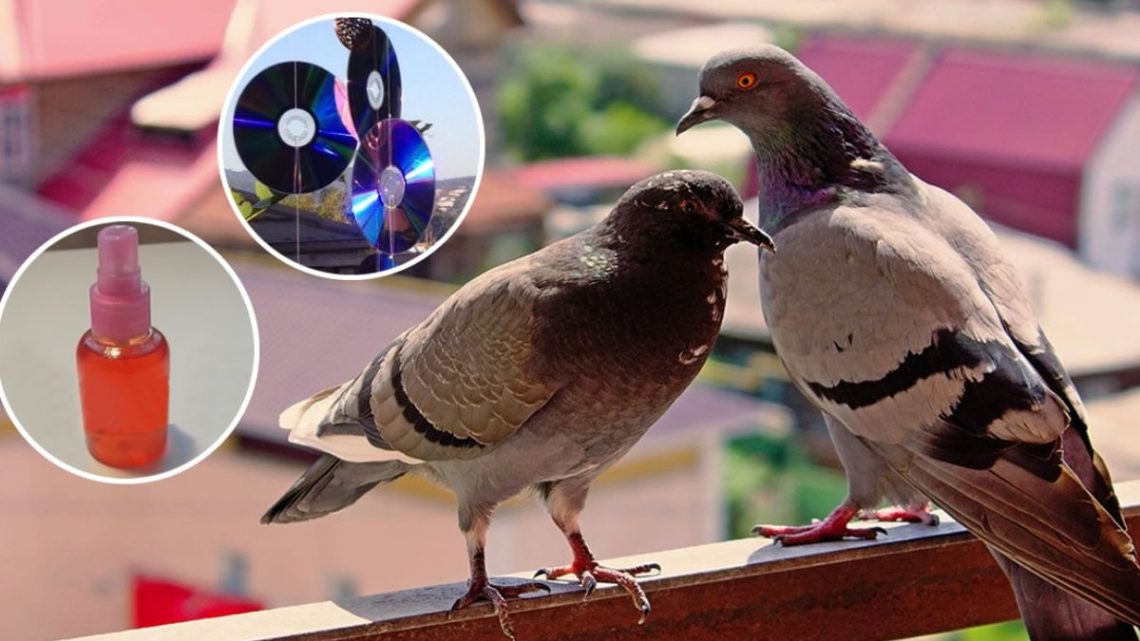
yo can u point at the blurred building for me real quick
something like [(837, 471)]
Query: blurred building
[(64, 82), (506, 220), (1113, 422), (26, 222)]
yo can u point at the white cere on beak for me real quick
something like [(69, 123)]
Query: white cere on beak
[(702, 103)]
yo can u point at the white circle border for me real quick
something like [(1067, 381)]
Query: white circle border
[(227, 113), (138, 480)]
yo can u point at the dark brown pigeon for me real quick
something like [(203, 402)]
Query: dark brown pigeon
[(539, 374), (894, 311)]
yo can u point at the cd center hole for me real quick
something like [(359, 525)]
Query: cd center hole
[(375, 89), (392, 186), (296, 127)]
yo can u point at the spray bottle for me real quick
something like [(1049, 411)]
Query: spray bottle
[(123, 362)]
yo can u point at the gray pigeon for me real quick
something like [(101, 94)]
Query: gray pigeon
[(894, 311), (539, 374)]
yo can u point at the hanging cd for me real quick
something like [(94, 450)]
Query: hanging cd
[(374, 92), (393, 186), (287, 130)]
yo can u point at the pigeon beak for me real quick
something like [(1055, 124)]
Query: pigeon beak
[(701, 111), (739, 229)]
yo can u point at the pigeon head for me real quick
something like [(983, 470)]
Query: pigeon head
[(808, 143), (695, 210), (759, 90)]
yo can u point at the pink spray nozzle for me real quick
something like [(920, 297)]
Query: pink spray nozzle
[(120, 300), (119, 272)]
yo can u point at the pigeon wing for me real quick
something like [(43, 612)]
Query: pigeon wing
[(458, 383), (931, 378), (470, 375)]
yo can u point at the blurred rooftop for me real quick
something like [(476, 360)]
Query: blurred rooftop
[(44, 39), (1063, 27), (28, 221)]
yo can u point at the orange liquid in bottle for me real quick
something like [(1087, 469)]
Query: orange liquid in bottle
[(124, 391)]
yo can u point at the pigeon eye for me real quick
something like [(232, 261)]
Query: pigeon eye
[(688, 206), (746, 80)]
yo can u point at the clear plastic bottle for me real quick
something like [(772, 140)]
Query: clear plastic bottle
[(123, 362)]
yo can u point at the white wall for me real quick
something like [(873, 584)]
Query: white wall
[(1109, 228)]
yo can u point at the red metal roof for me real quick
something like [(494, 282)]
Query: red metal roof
[(1011, 132), (57, 38), (860, 70), (73, 37), (502, 201), (124, 171), (1041, 201), (1013, 107)]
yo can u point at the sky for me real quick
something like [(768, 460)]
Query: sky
[(434, 91)]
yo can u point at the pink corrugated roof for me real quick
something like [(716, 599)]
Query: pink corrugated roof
[(125, 171), (1012, 132), (73, 37), (860, 70), (1041, 201), (1023, 108)]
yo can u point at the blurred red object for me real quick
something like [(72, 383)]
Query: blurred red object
[(159, 601)]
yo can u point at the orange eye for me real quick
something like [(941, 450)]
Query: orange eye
[(688, 206), (746, 80)]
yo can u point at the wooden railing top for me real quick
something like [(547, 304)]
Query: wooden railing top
[(917, 580)]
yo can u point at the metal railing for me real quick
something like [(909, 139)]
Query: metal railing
[(916, 580)]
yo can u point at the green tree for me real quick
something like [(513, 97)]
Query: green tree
[(559, 103)]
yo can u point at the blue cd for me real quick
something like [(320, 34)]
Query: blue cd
[(288, 131), (393, 186), (374, 91)]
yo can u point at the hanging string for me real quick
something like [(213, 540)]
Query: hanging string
[(296, 182)]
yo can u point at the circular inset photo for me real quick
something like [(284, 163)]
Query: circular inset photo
[(351, 146), (128, 350)]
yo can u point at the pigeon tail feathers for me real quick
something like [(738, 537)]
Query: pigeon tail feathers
[(329, 485), (1051, 614), (312, 409)]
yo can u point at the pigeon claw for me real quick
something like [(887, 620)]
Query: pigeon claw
[(589, 574), (589, 583), (832, 528), (553, 573), (815, 533), (898, 514), (497, 595)]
